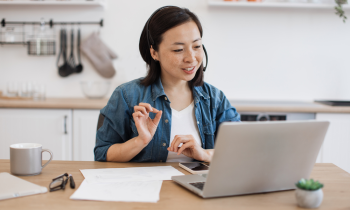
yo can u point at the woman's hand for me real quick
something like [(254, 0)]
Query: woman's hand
[(146, 127), (190, 148)]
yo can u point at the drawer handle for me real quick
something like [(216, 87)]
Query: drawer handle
[(65, 125)]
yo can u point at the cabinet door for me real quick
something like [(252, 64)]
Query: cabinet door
[(336, 147), (49, 127), (85, 125)]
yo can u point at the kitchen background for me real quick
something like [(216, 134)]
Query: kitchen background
[(254, 53), (270, 62)]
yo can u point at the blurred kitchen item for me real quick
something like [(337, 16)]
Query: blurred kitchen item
[(12, 34), (71, 59), (9, 34), (65, 69), (39, 91), (79, 67), (95, 89), (62, 46), (41, 47), (42, 41), (262, 117), (273, 116), (26, 90), (12, 89), (334, 102), (100, 55)]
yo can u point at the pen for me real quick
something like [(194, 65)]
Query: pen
[(71, 181)]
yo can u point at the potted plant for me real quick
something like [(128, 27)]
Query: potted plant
[(309, 193), (339, 9)]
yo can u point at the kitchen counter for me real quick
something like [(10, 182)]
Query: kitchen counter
[(55, 103), (287, 106), (241, 106)]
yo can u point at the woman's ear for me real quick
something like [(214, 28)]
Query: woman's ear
[(154, 54)]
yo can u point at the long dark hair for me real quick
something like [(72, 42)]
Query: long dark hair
[(163, 20)]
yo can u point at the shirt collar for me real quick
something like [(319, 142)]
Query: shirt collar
[(157, 89)]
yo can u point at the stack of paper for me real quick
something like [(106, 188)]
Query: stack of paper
[(12, 187), (141, 184)]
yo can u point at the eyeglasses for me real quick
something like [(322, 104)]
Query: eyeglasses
[(60, 182)]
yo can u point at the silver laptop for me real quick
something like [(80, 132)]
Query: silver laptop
[(258, 157)]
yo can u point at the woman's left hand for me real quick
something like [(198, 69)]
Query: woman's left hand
[(190, 148)]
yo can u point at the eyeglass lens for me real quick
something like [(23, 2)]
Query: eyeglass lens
[(58, 184)]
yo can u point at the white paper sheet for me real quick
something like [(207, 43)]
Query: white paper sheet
[(144, 191), (107, 175)]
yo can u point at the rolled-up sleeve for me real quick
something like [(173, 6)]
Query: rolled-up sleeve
[(226, 112), (116, 125)]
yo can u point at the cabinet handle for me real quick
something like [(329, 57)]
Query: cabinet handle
[(65, 125)]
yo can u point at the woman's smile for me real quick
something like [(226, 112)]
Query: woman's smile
[(189, 70)]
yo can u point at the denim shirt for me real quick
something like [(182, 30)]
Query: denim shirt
[(211, 109)]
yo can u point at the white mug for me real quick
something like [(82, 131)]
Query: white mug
[(25, 159)]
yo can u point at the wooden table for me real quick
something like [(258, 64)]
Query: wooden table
[(173, 196)]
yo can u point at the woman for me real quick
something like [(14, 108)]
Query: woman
[(171, 114)]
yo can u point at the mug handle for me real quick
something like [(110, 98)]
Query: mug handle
[(51, 155)]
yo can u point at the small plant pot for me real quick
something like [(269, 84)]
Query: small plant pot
[(309, 199)]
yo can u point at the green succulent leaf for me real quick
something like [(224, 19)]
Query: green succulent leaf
[(310, 184)]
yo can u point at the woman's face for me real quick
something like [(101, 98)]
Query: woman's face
[(180, 53)]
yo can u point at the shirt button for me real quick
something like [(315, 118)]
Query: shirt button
[(166, 121), (160, 161), (165, 98), (164, 144), (197, 122)]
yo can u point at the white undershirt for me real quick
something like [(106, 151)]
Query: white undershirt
[(183, 123)]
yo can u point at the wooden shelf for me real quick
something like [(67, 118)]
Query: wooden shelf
[(271, 4), (55, 3)]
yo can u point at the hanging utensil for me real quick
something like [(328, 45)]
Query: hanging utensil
[(79, 67), (64, 70), (71, 59), (61, 47)]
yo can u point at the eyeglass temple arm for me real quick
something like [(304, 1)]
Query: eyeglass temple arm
[(60, 176)]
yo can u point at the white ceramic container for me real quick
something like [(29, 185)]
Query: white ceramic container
[(95, 89), (309, 199)]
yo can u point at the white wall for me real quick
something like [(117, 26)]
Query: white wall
[(254, 53)]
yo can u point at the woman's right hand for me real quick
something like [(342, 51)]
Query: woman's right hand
[(146, 127)]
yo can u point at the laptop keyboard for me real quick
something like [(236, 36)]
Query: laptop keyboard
[(198, 185)]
